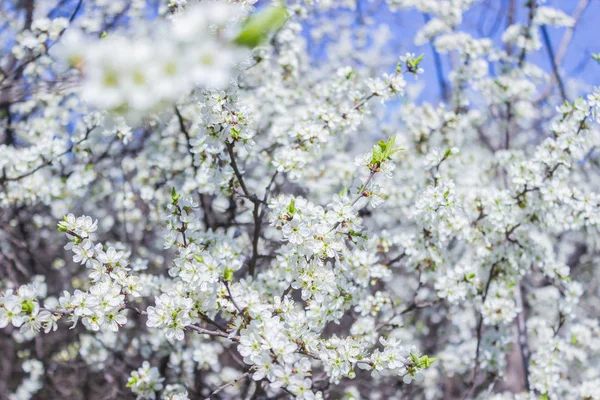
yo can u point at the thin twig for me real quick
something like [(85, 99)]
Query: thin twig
[(568, 36), (360, 195), (212, 332), (564, 45), (47, 162), (231, 297), (480, 328), (237, 171), (222, 387), (438, 66), (550, 50), (258, 219), (532, 5)]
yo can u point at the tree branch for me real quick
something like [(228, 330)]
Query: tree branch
[(550, 51), (233, 382)]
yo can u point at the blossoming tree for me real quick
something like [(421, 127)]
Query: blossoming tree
[(241, 217)]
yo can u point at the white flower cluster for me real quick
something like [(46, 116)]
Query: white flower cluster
[(137, 74), (146, 381), (104, 304), (22, 309), (292, 219)]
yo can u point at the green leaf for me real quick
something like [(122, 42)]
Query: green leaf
[(356, 234), (418, 60), (414, 358), (383, 151), (377, 154), (413, 63), (259, 25), (596, 57), (389, 148), (291, 208)]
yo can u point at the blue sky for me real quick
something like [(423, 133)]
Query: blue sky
[(488, 18)]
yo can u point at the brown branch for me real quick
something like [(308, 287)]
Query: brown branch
[(237, 171), (212, 332), (206, 208), (522, 327), (509, 22), (480, 328), (258, 219)]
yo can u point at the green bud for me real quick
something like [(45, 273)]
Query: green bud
[(27, 306), (132, 381), (291, 208), (235, 133), (573, 339), (174, 195), (425, 361), (228, 274)]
